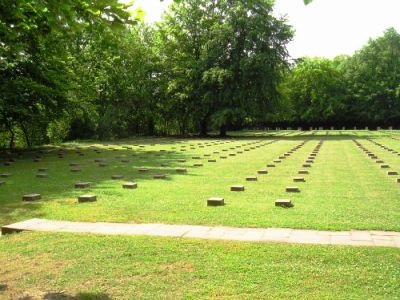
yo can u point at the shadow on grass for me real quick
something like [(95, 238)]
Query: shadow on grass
[(60, 181), (63, 296)]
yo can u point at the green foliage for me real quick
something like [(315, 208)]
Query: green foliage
[(362, 89)]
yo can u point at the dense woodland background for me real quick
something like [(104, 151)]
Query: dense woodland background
[(74, 69)]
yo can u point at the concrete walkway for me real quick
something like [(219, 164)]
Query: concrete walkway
[(282, 235)]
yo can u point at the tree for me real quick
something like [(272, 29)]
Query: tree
[(34, 60), (226, 59), (373, 76), (316, 91)]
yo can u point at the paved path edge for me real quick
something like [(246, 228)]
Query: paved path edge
[(373, 238)]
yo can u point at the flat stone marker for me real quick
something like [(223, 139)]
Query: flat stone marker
[(130, 185), (270, 166), (74, 165), (5, 175), (143, 170), (31, 197), (42, 170), (75, 169), (309, 161), (181, 170), (391, 173), (262, 171), (197, 165), (212, 160), (286, 203), (385, 166), (81, 185), (125, 160), (215, 201), (303, 172), (196, 157), (313, 154), (306, 165), (237, 188), (299, 179), (282, 157), (164, 164), (380, 162), (103, 165), (117, 177), (251, 178), (42, 175), (292, 189), (160, 176), (2, 182), (181, 160), (277, 161), (398, 180), (87, 198), (232, 154)]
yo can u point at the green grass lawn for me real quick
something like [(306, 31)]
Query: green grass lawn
[(344, 190), (75, 266)]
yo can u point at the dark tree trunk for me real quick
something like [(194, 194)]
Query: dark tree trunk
[(222, 131), (203, 127)]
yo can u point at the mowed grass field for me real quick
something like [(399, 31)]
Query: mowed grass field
[(344, 190), (75, 266)]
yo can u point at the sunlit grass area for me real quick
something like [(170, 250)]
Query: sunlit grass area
[(64, 266), (343, 190)]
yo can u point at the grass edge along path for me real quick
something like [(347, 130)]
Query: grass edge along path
[(80, 266)]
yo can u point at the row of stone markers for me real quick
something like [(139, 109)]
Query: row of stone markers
[(287, 203), (75, 167), (133, 185), (385, 147), (378, 161), (218, 201)]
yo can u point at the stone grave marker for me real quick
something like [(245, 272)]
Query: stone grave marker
[(31, 197), (299, 179), (251, 178), (270, 166), (392, 173), (42, 175), (302, 172), (212, 160), (262, 172), (286, 203), (181, 170), (237, 188), (81, 185), (214, 201), (160, 176), (116, 177), (130, 185), (292, 189), (87, 198)]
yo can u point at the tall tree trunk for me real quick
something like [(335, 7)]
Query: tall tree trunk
[(222, 130), (203, 127)]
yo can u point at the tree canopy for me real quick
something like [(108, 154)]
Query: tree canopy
[(93, 69)]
